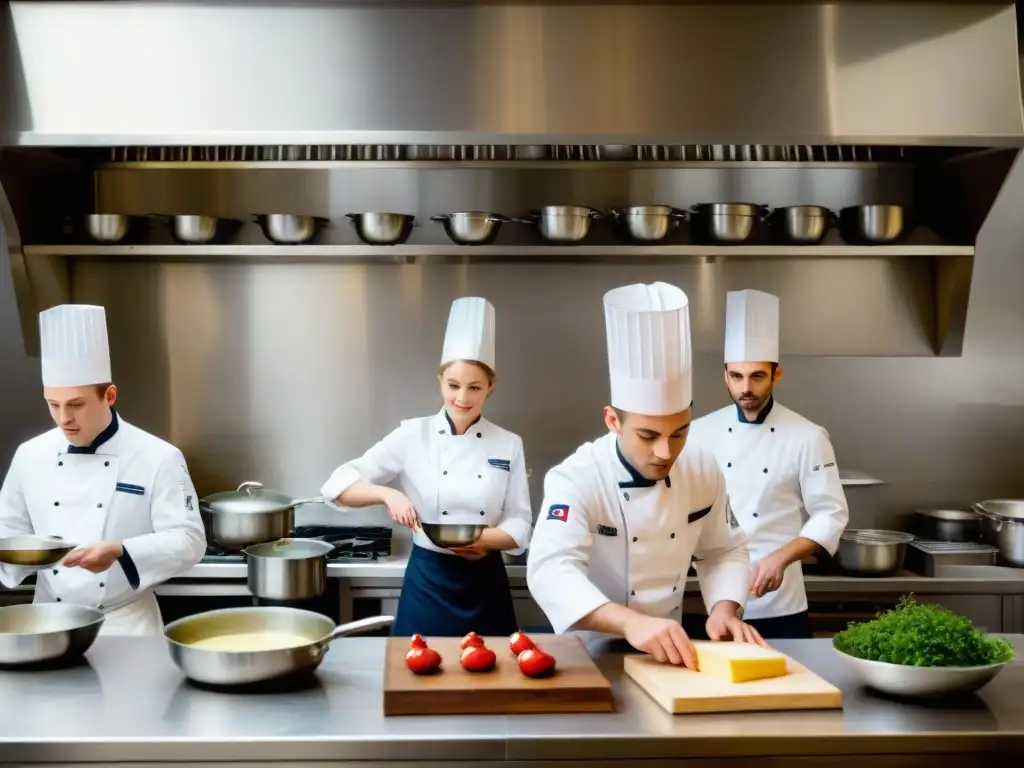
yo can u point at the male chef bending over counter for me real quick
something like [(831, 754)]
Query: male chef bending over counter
[(121, 494), (777, 465), (624, 515)]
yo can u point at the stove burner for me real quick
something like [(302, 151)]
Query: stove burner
[(350, 543)]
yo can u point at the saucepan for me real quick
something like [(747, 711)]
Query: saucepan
[(648, 223), (562, 223), (198, 229), (728, 222), (46, 633), (802, 224), (242, 646), (33, 550), (289, 228), (251, 515), (471, 227), (378, 228), (288, 569)]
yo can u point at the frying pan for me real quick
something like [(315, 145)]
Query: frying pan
[(33, 550)]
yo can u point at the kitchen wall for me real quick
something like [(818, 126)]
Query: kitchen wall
[(277, 373)]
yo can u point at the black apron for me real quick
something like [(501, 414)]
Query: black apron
[(449, 596)]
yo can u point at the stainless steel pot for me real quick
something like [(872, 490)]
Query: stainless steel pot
[(382, 228), (648, 223), (289, 228), (878, 224), (312, 632), (803, 224), (728, 222), (947, 525), (199, 229), (1004, 528), (562, 223), (872, 552), (288, 569), (50, 633), (107, 227), (471, 227), (251, 515), (33, 550)]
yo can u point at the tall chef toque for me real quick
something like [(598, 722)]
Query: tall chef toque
[(751, 327), (73, 346), (650, 356), (470, 332)]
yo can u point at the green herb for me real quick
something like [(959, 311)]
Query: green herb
[(921, 636)]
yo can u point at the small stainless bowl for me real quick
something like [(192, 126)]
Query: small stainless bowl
[(804, 224), (877, 224), (872, 552), (728, 222), (289, 228), (562, 223), (107, 227), (195, 229), (446, 535), (382, 228), (648, 223), (909, 682), (471, 227)]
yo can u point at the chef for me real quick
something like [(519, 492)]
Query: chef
[(778, 466), (453, 467), (121, 494), (623, 517)]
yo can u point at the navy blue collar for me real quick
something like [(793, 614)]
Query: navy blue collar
[(451, 424), (760, 417), (101, 438), (636, 479)]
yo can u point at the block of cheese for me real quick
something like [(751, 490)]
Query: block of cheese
[(739, 662)]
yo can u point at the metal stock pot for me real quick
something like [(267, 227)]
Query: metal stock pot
[(251, 515), (1004, 528), (288, 569)]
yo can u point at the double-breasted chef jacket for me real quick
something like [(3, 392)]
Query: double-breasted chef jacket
[(778, 468), (476, 478), (128, 486), (607, 534)]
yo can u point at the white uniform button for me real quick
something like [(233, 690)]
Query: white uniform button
[(765, 470), (755, 514), (99, 506), (55, 571), (631, 592), (625, 496), (634, 539), (445, 512), (672, 536), (58, 599), (106, 463), (56, 503), (478, 434), (481, 511), (102, 584), (445, 472), (729, 464), (60, 463)]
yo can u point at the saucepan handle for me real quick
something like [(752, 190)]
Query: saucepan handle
[(313, 500), (352, 628), (996, 519)]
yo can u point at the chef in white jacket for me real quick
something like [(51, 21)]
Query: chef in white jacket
[(780, 469), (122, 495), (452, 467), (623, 517)]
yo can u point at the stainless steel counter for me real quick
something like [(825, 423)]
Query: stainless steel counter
[(129, 703)]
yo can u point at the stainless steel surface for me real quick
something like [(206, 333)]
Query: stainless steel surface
[(447, 535), (803, 224), (227, 668), (872, 552), (562, 223), (727, 222), (289, 228), (471, 227), (107, 227), (51, 633), (647, 223), (947, 525), (1004, 527), (288, 569), (140, 710), (33, 550), (899, 680), (381, 228), (875, 223), (825, 74)]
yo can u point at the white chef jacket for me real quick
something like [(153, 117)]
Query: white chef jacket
[(132, 488), (606, 534), (478, 477), (777, 470)]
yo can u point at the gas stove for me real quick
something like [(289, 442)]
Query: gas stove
[(365, 543)]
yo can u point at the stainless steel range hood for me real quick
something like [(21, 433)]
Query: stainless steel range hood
[(166, 73)]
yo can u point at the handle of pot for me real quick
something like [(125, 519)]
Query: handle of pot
[(313, 500), (497, 218), (356, 627), (979, 509), (678, 213), (594, 213), (518, 220), (250, 485), (441, 217)]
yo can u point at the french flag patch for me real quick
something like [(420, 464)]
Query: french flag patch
[(558, 512)]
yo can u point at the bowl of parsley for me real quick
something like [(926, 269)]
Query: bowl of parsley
[(916, 650)]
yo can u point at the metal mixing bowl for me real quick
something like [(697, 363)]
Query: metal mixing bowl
[(804, 224), (872, 552), (562, 223), (874, 223), (33, 550), (471, 227), (446, 535), (906, 681), (289, 228), (107, 227), (37, 633), (648, 223), (728, 222), (381, 228)]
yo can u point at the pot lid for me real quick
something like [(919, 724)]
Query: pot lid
[(876, 536), (249, 498), (291, 549), (1010, 509), (949, 514)]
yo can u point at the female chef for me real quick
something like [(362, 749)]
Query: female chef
[(452, 467)]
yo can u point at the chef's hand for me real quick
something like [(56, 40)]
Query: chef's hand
[(96, 557), (724, 624), (400, 509), (766, 575), (479, 549), (664, 639)]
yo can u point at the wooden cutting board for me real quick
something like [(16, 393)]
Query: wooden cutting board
[(682, 691), (576, 686)]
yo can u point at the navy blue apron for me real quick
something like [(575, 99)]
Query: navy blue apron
[(448, 596)]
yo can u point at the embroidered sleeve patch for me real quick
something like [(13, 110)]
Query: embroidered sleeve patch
[(558, 512), (504, 464)]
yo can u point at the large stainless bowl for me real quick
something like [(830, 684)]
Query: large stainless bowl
[(471, 227), (446, 535), (648, 223), (37, 633), (872, 552), (378, 228), (901, 680), (107, 227), (803, 224), (728, 222), (878, 224), (33, 550)]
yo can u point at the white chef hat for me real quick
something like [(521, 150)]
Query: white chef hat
[(751, 327), (650, 357), (470, 332), (73, 346)]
